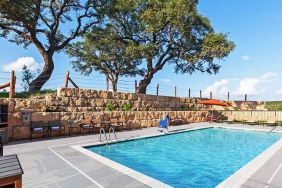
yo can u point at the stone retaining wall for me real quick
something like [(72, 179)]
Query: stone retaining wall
[(83, 100), (73, 104), (136, 119), (76, 104)]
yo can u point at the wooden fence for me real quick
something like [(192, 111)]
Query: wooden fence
[(259, 115), (10, 84)]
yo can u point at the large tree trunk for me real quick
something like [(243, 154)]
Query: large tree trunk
[(114, 82), (45, 74), (107, 83), (143, 84)]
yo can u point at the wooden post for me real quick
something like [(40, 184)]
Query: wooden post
[(12, 84), (158, 89), (74, 84), (200, 94), (211, 95), (135, 86), (67, 79), (175, 91), (189, 93), (228, 96), (246, 98)]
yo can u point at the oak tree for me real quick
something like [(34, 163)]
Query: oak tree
[(165, 32), (101, 51), (50, 25)]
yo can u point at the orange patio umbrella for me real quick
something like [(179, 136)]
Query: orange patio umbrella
[(214, 102)]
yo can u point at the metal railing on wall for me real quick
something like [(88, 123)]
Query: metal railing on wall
[(124, 85)]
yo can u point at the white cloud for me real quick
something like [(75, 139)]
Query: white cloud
[(268, 75), (254, 86), (248, 86), (20, 62), (246, 58), (219, 87)]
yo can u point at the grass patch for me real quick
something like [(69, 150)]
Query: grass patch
[(28, 94), (188, 108), (4, 95), (274, 105)]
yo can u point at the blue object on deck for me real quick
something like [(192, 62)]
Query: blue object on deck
[(163, 123)]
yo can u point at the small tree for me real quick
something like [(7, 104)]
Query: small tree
[(101, 51), (27, 77), (40, 22), (168, 32)]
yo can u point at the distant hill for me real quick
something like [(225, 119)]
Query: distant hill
[(274, 105)]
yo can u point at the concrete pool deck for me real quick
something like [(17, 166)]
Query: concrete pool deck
[(55, 163)]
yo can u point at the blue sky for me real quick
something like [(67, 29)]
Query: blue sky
[(254, 67)]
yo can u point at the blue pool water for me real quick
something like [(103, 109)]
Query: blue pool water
[(202, 158)]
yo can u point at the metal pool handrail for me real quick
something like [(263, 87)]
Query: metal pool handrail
[(113, 131), (102, 131)]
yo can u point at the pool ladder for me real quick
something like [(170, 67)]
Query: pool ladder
[(111, 130), (102, 131)]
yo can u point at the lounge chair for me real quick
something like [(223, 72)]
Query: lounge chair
[(97, 123), (271, 121), (56, 127), (212, 118), (240, 120), (86, 125), (1, 146), (173, 122), (38, 127), (230, 119), (176, 121), (115, 123), (124, 123), (251, 120), (181, 121)]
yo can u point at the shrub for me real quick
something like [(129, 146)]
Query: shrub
[(110, 107), (188, 108), (126, 106)]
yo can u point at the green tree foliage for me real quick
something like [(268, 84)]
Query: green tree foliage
[(27, 77), (40, 22), (101, 51), (165, 32)]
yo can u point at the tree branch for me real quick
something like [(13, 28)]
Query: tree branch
[(78, 31)]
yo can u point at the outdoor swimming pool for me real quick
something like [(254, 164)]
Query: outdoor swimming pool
[(201, 158)]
